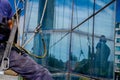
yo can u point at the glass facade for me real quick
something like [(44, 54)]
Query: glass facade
[(118, 56), (117, 25), (78, 43), (117, 40), (117, 48), (117, 32)]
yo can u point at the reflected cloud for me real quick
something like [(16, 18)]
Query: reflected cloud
[(101, 4), (63, 19)]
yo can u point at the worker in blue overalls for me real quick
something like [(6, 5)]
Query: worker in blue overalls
[(22, 64), (101, 57)]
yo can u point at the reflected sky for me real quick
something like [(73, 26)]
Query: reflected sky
[(104, 25), (82, 10), (118, 11)]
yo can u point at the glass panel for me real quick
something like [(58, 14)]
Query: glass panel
[(82, 10), (117, 10), (117, 25), (31, 17), (80, 52), (48, 18), (118, 65), (106, 25), (104, 45), (118, 32), (29, 46), (117, 48), (104, 53), (101, 3), (31, 14), (103, 42), (118, 56), (63, 12), (58, 52), (118, 40)]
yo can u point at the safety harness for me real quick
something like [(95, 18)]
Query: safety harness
[(10, 43), (8, 36)]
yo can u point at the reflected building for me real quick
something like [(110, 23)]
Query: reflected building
[(117, 47), (72, 30)]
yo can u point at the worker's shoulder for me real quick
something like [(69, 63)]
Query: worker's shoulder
[(5, 7), (6, 2)]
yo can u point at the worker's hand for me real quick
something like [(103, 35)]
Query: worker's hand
[(10, 24)]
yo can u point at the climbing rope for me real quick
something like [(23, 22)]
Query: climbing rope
[(28, 17), (38, 30)]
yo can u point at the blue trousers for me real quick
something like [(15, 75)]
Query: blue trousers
[(27, 67)]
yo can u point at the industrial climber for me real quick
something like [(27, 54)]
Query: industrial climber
[(22, 64), (101, 57)]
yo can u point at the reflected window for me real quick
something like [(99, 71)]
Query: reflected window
[(118, 32), (118, 65), (117, 25), (118, 57), (117, 48), (118, 40), (75, 52)]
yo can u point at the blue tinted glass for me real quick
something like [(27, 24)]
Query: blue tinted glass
[(117, 25), (118, 40), (87, 49), (117, 48)]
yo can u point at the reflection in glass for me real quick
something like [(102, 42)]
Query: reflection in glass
[(117, 40), (117, 48), (90, 54)]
